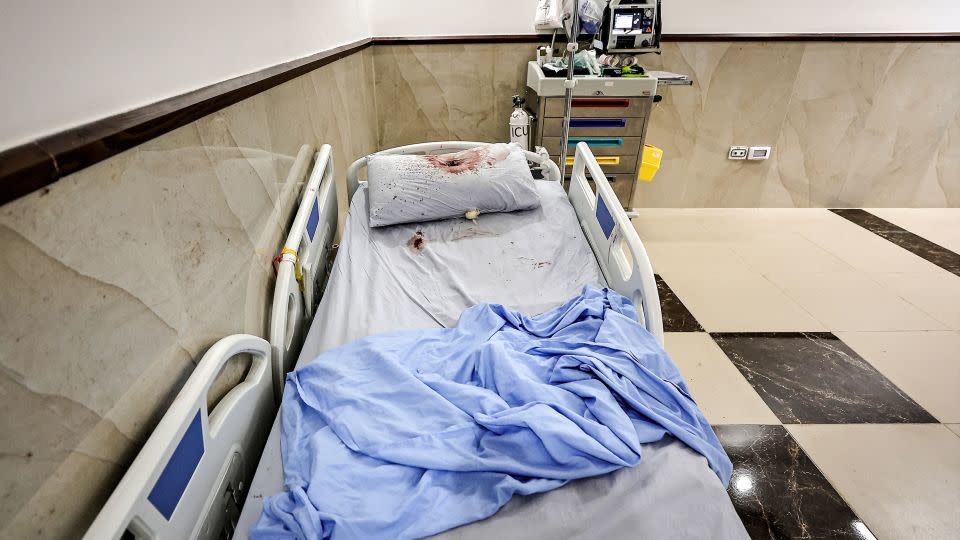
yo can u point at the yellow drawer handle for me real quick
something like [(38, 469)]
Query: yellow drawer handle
[(602, 160)]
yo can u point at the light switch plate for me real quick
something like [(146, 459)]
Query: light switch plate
[(758, 152), (738, 152)]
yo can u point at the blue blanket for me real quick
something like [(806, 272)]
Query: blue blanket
[(408, 434)]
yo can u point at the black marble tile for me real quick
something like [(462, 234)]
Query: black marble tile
[(777, 490), (814, 378), (676, 316), (935, 253)]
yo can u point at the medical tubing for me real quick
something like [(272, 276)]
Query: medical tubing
[(568, 92)]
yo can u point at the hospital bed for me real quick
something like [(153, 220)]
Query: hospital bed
[(198, 475)]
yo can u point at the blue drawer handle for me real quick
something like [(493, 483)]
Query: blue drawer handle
[(596, 141), (598, 123)]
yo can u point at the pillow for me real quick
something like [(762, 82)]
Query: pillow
[(412, 188)]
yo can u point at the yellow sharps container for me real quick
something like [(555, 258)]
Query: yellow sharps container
[(650, 163)]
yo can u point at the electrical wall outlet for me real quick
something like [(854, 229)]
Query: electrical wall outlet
[(738, 152), (758, 152)]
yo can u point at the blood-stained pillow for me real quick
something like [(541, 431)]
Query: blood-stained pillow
[(413, 188)]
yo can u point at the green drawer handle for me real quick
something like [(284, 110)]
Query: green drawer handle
[(596, 141)]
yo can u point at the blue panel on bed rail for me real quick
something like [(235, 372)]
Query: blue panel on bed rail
[(604, 217), (176, 475), (314, 219)]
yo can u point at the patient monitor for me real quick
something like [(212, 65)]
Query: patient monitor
[(632, 26)]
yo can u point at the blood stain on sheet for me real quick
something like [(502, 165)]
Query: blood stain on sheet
[(417, 242)]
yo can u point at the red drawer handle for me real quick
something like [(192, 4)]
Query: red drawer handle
[(612, 103)]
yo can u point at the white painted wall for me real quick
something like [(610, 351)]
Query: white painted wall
[(465, 17), (68, 62)]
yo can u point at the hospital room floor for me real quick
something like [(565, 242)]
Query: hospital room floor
[(824, 347)]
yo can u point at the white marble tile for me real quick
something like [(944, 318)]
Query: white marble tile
[(668, 225), (865, 251), (938, 225), (719, 389), (936, 293), (923, 364), (903, 480), (852, 301), (671, 258), (786, 252), (749, 224), (740, 302)]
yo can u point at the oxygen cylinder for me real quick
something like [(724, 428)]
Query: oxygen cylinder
[(520, 124)]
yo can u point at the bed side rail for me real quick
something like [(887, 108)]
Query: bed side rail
[(310, 237), (191, 476), (550, 169), (303, 263), (616, 244)]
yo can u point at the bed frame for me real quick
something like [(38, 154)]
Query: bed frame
[(192, 475), (301, 271), (190, 478), (615, 242)]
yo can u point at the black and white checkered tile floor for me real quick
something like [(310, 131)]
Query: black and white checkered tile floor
[(824, 347)]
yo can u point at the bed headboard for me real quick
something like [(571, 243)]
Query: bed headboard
[(549, 168), (622, 257), (302, 264), (192, 474)]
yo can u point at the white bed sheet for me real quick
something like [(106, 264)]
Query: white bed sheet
[(423, 276)]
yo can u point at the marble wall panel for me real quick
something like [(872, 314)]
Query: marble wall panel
[(852, 124), (447, 92), (116, 279), (909, 116), (945, 169), (742, 92), (831, 98)]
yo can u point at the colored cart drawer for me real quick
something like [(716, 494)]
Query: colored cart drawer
[(596, 127), (614, 164), (599, 107), (600, 146)]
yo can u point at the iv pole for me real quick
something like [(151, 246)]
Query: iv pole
[(568, 86)]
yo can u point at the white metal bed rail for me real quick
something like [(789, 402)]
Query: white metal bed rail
[(191, 476), (303, 263), (616, 244)]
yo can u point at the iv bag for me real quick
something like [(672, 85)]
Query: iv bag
[(549, 15), (590, 17)]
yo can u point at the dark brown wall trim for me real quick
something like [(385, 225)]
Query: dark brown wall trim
[(545, 38), (450, 40), (34, 165), (949, 36)]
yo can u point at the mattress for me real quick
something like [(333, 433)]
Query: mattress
[(423, 276)]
